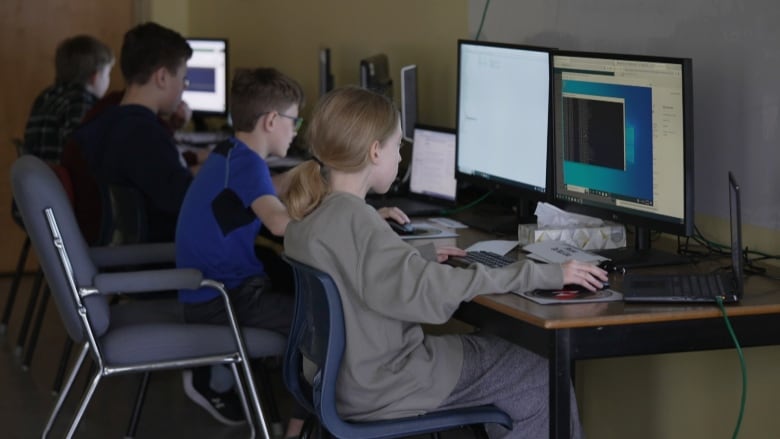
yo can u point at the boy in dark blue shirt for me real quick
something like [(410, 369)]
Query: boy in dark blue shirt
[(128, 145)]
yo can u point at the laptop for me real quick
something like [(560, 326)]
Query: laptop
[(695, 287), (432, 183)]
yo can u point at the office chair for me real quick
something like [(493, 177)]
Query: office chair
[(26, 343), (23, 254), (122, 220), (120, 343), (318, 334)]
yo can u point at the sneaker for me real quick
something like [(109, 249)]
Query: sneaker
[(224, 407)]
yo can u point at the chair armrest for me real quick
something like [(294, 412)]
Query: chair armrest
[(148, 281), (133, 254)]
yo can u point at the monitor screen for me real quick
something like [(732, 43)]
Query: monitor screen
[(433, 163), (624, 140), (375, 74), (503, 109), (408, 101), (207, 73)]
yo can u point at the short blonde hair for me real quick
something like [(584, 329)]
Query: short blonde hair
[(345, 123)]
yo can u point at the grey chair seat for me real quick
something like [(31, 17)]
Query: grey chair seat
[(138, 344)]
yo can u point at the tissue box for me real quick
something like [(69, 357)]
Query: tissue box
[(608, 235)]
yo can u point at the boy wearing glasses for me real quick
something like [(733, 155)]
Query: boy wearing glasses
[(231, 199)]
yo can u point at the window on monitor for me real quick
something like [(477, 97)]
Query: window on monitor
[(207, 93), (624, 143), (503, 119)]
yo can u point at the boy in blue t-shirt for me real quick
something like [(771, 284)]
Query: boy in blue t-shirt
[(231, 198)]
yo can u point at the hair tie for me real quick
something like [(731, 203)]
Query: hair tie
[(319, 162)]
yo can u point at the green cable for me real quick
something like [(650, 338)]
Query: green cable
[(482, 21), (742, 364), (467, 206)]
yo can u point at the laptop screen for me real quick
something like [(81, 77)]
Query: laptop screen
[(433, 163), (735, 220)]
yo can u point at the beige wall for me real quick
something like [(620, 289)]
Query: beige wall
[(288, 36)]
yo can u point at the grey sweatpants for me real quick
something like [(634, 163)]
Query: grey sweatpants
[(515, 380)]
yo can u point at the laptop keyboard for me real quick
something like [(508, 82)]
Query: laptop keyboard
[(684, 287), (488, 259), (697, 286)]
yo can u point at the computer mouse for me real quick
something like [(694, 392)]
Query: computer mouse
[(401, 229), (611, 267), (581, 289)]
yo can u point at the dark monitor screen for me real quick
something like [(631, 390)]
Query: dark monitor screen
[(503, 111), (207, 92), (624, 139), (408, 101), (375, 74)]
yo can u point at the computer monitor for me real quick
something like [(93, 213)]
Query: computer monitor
[(207, 92), (325, 75), (408, 101), (624, 144), (375, 74), (503, 119)]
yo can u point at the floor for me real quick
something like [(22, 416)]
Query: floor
[(27, 397)]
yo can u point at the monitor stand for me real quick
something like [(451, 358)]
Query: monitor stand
[(642, 255), (501, 220), (199, 123)]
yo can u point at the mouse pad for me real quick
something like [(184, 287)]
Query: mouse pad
[(545, 297)]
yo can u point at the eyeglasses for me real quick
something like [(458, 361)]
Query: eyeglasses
[(297, 121)]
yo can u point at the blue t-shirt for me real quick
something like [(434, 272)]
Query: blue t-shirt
[(217, 228)]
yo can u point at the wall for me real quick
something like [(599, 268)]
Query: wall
[(29, 33), (735, 47), (288, 36)]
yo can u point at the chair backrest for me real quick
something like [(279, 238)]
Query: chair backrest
[(123, 215), (317, 334), (62, 251), (19, 145)]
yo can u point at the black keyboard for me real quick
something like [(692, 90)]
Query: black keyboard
[(488, 259), (697, 285)]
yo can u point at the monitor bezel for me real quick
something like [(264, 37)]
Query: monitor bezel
[(519, 190), (657, 223), (406, 127), (225, 113), (325, 77)]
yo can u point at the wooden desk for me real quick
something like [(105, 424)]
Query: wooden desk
[(565, 333)]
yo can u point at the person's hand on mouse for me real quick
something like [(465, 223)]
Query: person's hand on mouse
[(582, 273), (394, 214), (443, 253)]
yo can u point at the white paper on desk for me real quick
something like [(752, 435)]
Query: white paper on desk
[(497, 246), (558, 252)]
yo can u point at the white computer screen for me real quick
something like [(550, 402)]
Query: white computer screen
[(503, 111), (433, 163), (207, 75)]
